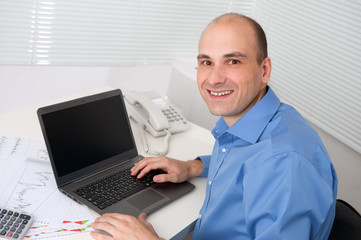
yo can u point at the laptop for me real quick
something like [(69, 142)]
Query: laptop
[(91, 149)]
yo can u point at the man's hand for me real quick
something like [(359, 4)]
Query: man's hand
[(176, 171), (123, 227)]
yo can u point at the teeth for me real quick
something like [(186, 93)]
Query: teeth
[(221, 93)]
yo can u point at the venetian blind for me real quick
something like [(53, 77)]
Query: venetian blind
[(105, 32), (315, 47)]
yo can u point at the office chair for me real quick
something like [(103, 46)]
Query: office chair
[(347, 223)]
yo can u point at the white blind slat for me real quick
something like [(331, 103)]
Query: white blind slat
[(68, 31)]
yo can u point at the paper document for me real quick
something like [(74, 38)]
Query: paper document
[(28, 185)]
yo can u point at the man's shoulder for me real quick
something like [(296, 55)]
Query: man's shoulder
[(289, 125), (288, 132)]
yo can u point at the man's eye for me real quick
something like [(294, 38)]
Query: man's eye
[(206, 62), (233, 61)]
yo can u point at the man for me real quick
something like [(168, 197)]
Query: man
[(269, 175)]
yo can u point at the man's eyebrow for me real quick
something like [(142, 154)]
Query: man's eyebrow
[(203, 56), (235, 55)]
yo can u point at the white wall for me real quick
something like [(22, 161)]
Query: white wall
[(22, 86)]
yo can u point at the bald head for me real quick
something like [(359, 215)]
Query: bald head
[(244, 21)]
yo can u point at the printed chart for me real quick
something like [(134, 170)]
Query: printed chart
[(28, 185), (66, 227)]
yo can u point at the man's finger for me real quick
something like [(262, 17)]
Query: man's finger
[(142, 217), (141, 165), (104, 230), (151, 165), (148, 168), (161, 178)]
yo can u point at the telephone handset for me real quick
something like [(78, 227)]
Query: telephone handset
[(154, 114)]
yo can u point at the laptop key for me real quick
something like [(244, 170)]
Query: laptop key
[(102, 206), (87, 195), (99, 201), (92, 199)]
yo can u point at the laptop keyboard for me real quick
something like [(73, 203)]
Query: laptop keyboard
[(112, 189)]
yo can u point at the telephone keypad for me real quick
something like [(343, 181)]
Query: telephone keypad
[(171, 114)]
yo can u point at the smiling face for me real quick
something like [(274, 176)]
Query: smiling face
[(229, 78)]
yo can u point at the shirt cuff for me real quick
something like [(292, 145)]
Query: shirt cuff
[(205, 160)]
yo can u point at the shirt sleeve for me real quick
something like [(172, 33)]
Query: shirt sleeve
[(206, 161), (286, 197)]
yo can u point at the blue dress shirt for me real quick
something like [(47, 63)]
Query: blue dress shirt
[(269, 177)]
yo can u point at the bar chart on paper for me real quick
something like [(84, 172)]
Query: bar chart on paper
[(28, 185), (64, 228)]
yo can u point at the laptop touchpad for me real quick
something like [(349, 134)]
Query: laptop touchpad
[(145, 199)]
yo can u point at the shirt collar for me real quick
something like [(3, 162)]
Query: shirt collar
[(251, 125)]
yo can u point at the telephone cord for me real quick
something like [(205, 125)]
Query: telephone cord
[(146, 146)]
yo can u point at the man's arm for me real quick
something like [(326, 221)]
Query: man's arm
[(176, 171)]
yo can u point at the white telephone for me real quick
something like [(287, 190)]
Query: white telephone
[(154, 114)]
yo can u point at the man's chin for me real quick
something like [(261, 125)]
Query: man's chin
[(217, 112)]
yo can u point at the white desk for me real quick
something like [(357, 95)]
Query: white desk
[(172, 221)]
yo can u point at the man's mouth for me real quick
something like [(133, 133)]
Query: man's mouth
[(221, 93)]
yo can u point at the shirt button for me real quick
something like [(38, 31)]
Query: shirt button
[(210, 182), (200, 216), (224, 150)]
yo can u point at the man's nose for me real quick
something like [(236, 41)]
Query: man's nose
[(217, 75)]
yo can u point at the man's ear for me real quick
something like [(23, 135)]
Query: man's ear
[(266, 66)]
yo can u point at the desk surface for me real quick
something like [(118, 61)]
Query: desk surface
[(167, 221)]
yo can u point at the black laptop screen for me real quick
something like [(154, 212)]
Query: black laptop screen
[(87, 134)]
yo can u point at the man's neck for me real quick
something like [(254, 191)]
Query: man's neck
[(230, 120)]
